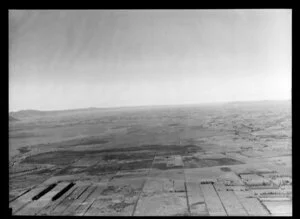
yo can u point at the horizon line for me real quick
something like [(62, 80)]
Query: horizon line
[(155, 105)]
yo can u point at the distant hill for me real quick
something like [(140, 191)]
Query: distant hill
[(12, 119), (27, 114)]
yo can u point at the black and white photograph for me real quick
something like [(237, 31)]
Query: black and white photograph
[(150, 112)]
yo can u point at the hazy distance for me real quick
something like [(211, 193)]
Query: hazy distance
[(102, 58)]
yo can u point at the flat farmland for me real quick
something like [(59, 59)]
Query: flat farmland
[(193, 159)]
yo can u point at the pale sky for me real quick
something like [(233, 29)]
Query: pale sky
[(93, 58)]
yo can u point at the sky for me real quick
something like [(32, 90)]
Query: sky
[(66, 59)]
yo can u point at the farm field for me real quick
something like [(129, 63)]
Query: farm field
[(210, 159)]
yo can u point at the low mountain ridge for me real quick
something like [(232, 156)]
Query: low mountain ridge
[(12, 119), (23, 114)]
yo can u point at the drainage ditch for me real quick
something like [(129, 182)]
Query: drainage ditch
[(43, 192)]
